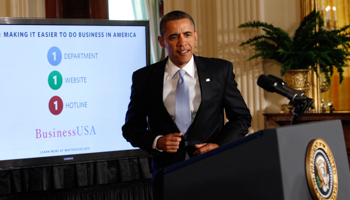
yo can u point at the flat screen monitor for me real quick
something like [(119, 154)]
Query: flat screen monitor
[(65, 88)]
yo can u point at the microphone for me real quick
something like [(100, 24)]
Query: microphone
[(274, 84), (280, 81), (298, 100)]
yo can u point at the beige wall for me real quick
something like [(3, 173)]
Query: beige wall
[(217, 22), (284, 14), (3, 8), (22, 8)]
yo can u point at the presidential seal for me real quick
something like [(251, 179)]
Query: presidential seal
[(321, 171)]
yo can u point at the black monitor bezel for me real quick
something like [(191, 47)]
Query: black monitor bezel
[(75, 158)]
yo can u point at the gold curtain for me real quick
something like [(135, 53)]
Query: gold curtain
[(338, 93)]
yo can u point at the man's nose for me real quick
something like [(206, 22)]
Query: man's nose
[(181, 41)]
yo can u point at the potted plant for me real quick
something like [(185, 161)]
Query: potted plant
[(310, 46)]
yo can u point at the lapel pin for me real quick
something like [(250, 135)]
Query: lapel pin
[(207, 80)]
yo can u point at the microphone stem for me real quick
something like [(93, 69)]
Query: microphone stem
[(297, 111)]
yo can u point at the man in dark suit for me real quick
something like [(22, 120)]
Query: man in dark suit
[(151, 122)]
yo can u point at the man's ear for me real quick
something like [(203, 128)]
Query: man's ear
[(196, 36), (161, 41)]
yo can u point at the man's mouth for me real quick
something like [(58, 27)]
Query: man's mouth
[(184, 51)]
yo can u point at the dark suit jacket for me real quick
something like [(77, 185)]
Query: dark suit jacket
[(147, 116)]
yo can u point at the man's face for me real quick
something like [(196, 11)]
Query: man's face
[(179, 39)]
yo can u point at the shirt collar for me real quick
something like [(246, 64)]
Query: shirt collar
[(171, 68)]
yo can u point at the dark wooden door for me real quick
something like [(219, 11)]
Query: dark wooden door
[(93, 9)]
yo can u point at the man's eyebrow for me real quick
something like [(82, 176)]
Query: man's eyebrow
[(174, 34)]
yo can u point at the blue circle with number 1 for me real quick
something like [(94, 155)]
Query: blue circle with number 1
[(54, 56)]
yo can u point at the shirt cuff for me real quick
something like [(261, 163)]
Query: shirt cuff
[(154, 145)]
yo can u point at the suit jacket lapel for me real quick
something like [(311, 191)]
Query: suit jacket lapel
[(205, 78), (156, 87)]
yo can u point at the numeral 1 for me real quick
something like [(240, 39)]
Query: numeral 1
[(55, 79), (56, 105), (54, 55)]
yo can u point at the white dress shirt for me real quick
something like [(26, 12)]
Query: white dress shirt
[(171, 77)]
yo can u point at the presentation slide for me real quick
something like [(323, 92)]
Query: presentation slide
[(65, 89)]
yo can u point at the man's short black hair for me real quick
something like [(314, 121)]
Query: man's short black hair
[(174, 15)]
